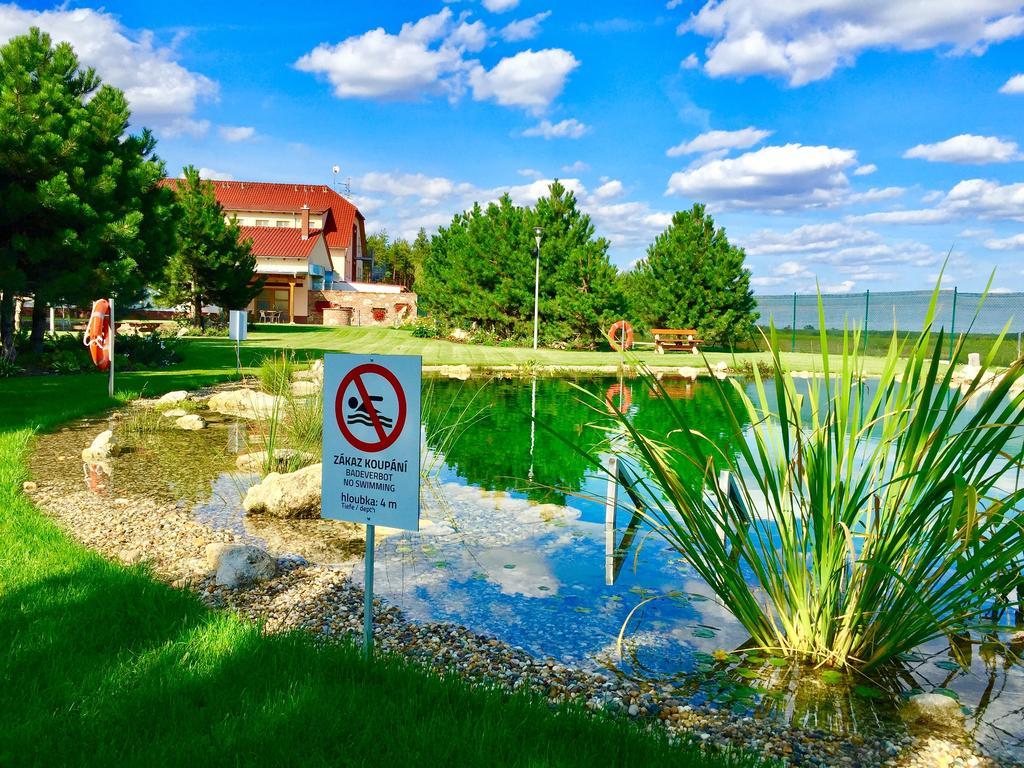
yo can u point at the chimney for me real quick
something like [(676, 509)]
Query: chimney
[(305, 222)]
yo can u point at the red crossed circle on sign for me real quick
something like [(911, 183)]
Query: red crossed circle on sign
[(385, 439)]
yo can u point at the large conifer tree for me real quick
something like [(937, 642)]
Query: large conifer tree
[(211, 264), (81, 211), (692, 277)]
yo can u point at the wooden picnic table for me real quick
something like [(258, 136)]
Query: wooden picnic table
[(676, 340)]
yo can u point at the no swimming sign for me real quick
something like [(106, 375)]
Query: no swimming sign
[(371, 461)]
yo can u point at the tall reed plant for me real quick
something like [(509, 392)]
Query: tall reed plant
[(866, 518)]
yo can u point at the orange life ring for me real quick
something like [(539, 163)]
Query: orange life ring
[(97, 334), (624, 395), (620, 335)]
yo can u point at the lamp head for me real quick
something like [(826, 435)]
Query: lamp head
[(537, 231)]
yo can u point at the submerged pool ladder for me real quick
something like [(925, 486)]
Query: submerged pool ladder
[(615, 553)]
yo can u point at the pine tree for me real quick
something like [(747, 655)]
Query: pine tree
[(211, 264), (82, 214), (583, 296), (692, 277)]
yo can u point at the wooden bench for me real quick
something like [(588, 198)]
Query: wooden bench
[(676, 340)]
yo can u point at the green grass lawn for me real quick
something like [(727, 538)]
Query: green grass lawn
[(103, 665)]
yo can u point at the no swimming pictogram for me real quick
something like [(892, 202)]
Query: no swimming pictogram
[(370, 407)]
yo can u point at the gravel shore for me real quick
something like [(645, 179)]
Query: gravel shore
[(323, 600)]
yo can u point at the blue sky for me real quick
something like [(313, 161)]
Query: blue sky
[(849, 142)]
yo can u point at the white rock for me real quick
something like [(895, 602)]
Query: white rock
[(689, 373), (254, 462), (304, 388), (177, 396), (103, 447), (29, 487), (460, 372), (974, 359), (458, 334), (190, 422), (237, 564), (174, 413), (247, 403), (933, 709), (293, 494)]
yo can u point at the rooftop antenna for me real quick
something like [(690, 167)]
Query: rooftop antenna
[(348, 187), (336, 170)]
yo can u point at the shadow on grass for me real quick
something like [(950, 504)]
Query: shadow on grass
[(104, 666)]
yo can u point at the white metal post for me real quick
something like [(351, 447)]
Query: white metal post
[(368, 595), (536, 296), (113, 335)]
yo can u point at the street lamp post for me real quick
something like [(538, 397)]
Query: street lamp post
[(537, 231)]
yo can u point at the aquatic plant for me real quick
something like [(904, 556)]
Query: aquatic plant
[(862, 521)]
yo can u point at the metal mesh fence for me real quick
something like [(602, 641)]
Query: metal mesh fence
[(980, 317)]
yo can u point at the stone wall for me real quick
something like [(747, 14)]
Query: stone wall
[(368, 308)]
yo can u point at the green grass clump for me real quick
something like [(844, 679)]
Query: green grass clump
[(275, 373)]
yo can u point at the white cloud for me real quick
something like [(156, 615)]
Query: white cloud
[(500, 6), (873, 194), (159, 90), (523, 29), (185, 126), (1014, 85), (966, 148), (529, 79), (690, 62), (578, 167), (806, 41), (791, 176), (865, 170), (430, 188), (530, 173), (810, 238), (212, 173), (1012, 243), (712, 141), (980, 198), (471, 36), (564, 129), (237, 132), (609, 190), (425, 57)]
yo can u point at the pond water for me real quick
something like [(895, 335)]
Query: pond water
[(517, 545)]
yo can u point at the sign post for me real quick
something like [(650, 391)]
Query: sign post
[(371, 454)]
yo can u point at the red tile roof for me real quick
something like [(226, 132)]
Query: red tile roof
[(289, 198), (280, 242)]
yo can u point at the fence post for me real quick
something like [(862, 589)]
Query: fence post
[(793, 345), (867, 311), (952, 328)]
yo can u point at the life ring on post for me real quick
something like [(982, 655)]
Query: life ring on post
[(97, 334), (620, 336)]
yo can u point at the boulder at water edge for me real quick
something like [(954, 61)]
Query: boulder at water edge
[(178, 396), (190, 422), (238, 564), (254, 462), (293, 494), (933, 709), (247, 403), (304, 388), (103, 447)]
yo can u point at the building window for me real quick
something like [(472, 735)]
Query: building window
[(282, 223), (379, 314), (262, 222)]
